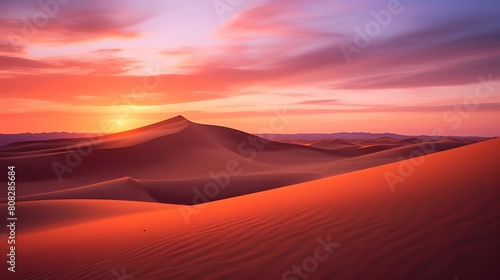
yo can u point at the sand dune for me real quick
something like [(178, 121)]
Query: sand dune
[(361, 147), (173, 191), (120, 189), (123, 206), (167, 161), (333, 144), (441, 222), (158, 152)]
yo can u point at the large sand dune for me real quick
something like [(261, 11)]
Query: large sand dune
[(170, 161), (442, 221)]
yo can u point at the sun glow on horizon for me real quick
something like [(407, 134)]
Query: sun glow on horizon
[(121, 64)]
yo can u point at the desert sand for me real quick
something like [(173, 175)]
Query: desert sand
[(164, 162), (293, 212)]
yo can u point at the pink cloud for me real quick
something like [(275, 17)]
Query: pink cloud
[(69, 24)]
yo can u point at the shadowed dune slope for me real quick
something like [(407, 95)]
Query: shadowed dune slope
[(187, 192)]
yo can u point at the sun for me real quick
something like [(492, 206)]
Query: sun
[(120, 122)]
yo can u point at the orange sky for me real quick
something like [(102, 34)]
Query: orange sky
[(316, 66)]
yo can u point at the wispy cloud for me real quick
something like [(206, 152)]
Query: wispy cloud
[(91, 52)]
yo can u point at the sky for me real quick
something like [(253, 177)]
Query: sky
[(407, 67)]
